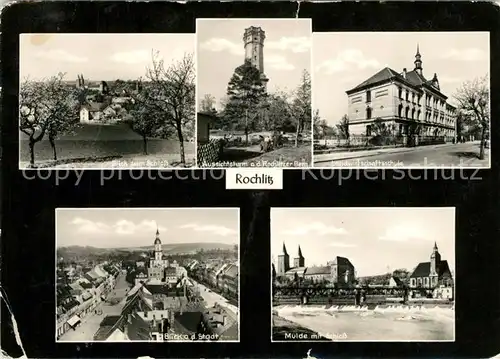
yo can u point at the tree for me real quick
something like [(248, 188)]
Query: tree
[(343, 127), (245, 90), (172, 95), (302, 105), (46, 107), (143, 119), (473, 100), (207, 104)]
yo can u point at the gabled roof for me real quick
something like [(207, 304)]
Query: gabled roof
[(341, 261), (424, 269), (385, 74), (231, 271), (95, 106), (296, 270)]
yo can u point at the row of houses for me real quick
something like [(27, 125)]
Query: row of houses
[(221, 276), (80, 297), (140, 319)]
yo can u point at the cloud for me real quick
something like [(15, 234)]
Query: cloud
[(293, 44), (317, 228), (219, 230), (470, 54), (219, 45), (278, 62), (132, 57), (121, 227), (61, 56), (347, 60), (342, 245), (405, 232)]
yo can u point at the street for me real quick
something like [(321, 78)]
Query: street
[(449, 155), (85, 331), (211, 297)]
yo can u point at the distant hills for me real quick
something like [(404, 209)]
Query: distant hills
[(169, 248)]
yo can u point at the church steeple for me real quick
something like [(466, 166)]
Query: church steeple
[(284, 249), (299, 261), (435, 260), (418, 61)]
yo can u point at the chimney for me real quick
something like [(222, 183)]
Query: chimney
[(404, 73)]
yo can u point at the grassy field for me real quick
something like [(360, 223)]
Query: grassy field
[(103, 143)]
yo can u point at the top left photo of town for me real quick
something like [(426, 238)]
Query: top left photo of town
[(100, 101)]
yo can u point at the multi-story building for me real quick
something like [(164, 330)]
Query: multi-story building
[(406, 102), (339, 270)]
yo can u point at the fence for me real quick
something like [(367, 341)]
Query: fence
[(360, 141), (209, 152)]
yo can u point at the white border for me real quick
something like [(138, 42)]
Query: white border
[(441, 167), (368, 341), (311, 68), (237, 209), (104, 168)]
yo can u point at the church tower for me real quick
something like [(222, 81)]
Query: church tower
[(434, 266), (299, 261), (418, 62), (158, 253), (253, 40), (283, 262)]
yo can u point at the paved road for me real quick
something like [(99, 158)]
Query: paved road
[(85, 331), (458, 155), (211, 297)]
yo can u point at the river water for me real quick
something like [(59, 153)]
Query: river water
[(383, 323)]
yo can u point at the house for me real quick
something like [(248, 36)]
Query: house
[(396, 282), (405, 101), (97, 112), (221, 322), (229, 280), (432, 274), (203, 124)]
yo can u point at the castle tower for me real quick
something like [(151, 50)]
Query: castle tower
[(158, 253), (299, 261), (253, 40), (434, 267), (418, 62), (283, 262)]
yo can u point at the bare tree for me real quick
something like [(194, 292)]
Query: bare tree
[(473, 99), (343, 127), (46, 107), (173, 94), (207, 104)]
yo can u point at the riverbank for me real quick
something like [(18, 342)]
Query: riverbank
[(284, 329)]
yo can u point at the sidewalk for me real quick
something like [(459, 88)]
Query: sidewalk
[(348, 155)]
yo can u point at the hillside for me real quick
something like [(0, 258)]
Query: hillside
[(177, 248)]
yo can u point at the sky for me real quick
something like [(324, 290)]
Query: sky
[(375, 240), (98, 57), (220, 49), (118, 228), (342, 61)]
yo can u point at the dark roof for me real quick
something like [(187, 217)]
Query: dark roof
[(341, 261), (383, 75), (138, 328), (157, 289), (209, 114), (70, 305), (424, 269), (95, 106), (86, 285), (318, 270)]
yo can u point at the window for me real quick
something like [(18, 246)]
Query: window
[(400, 92), (407, 94), (368, 96), (369, 130), (413, 97), (368, 113)]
